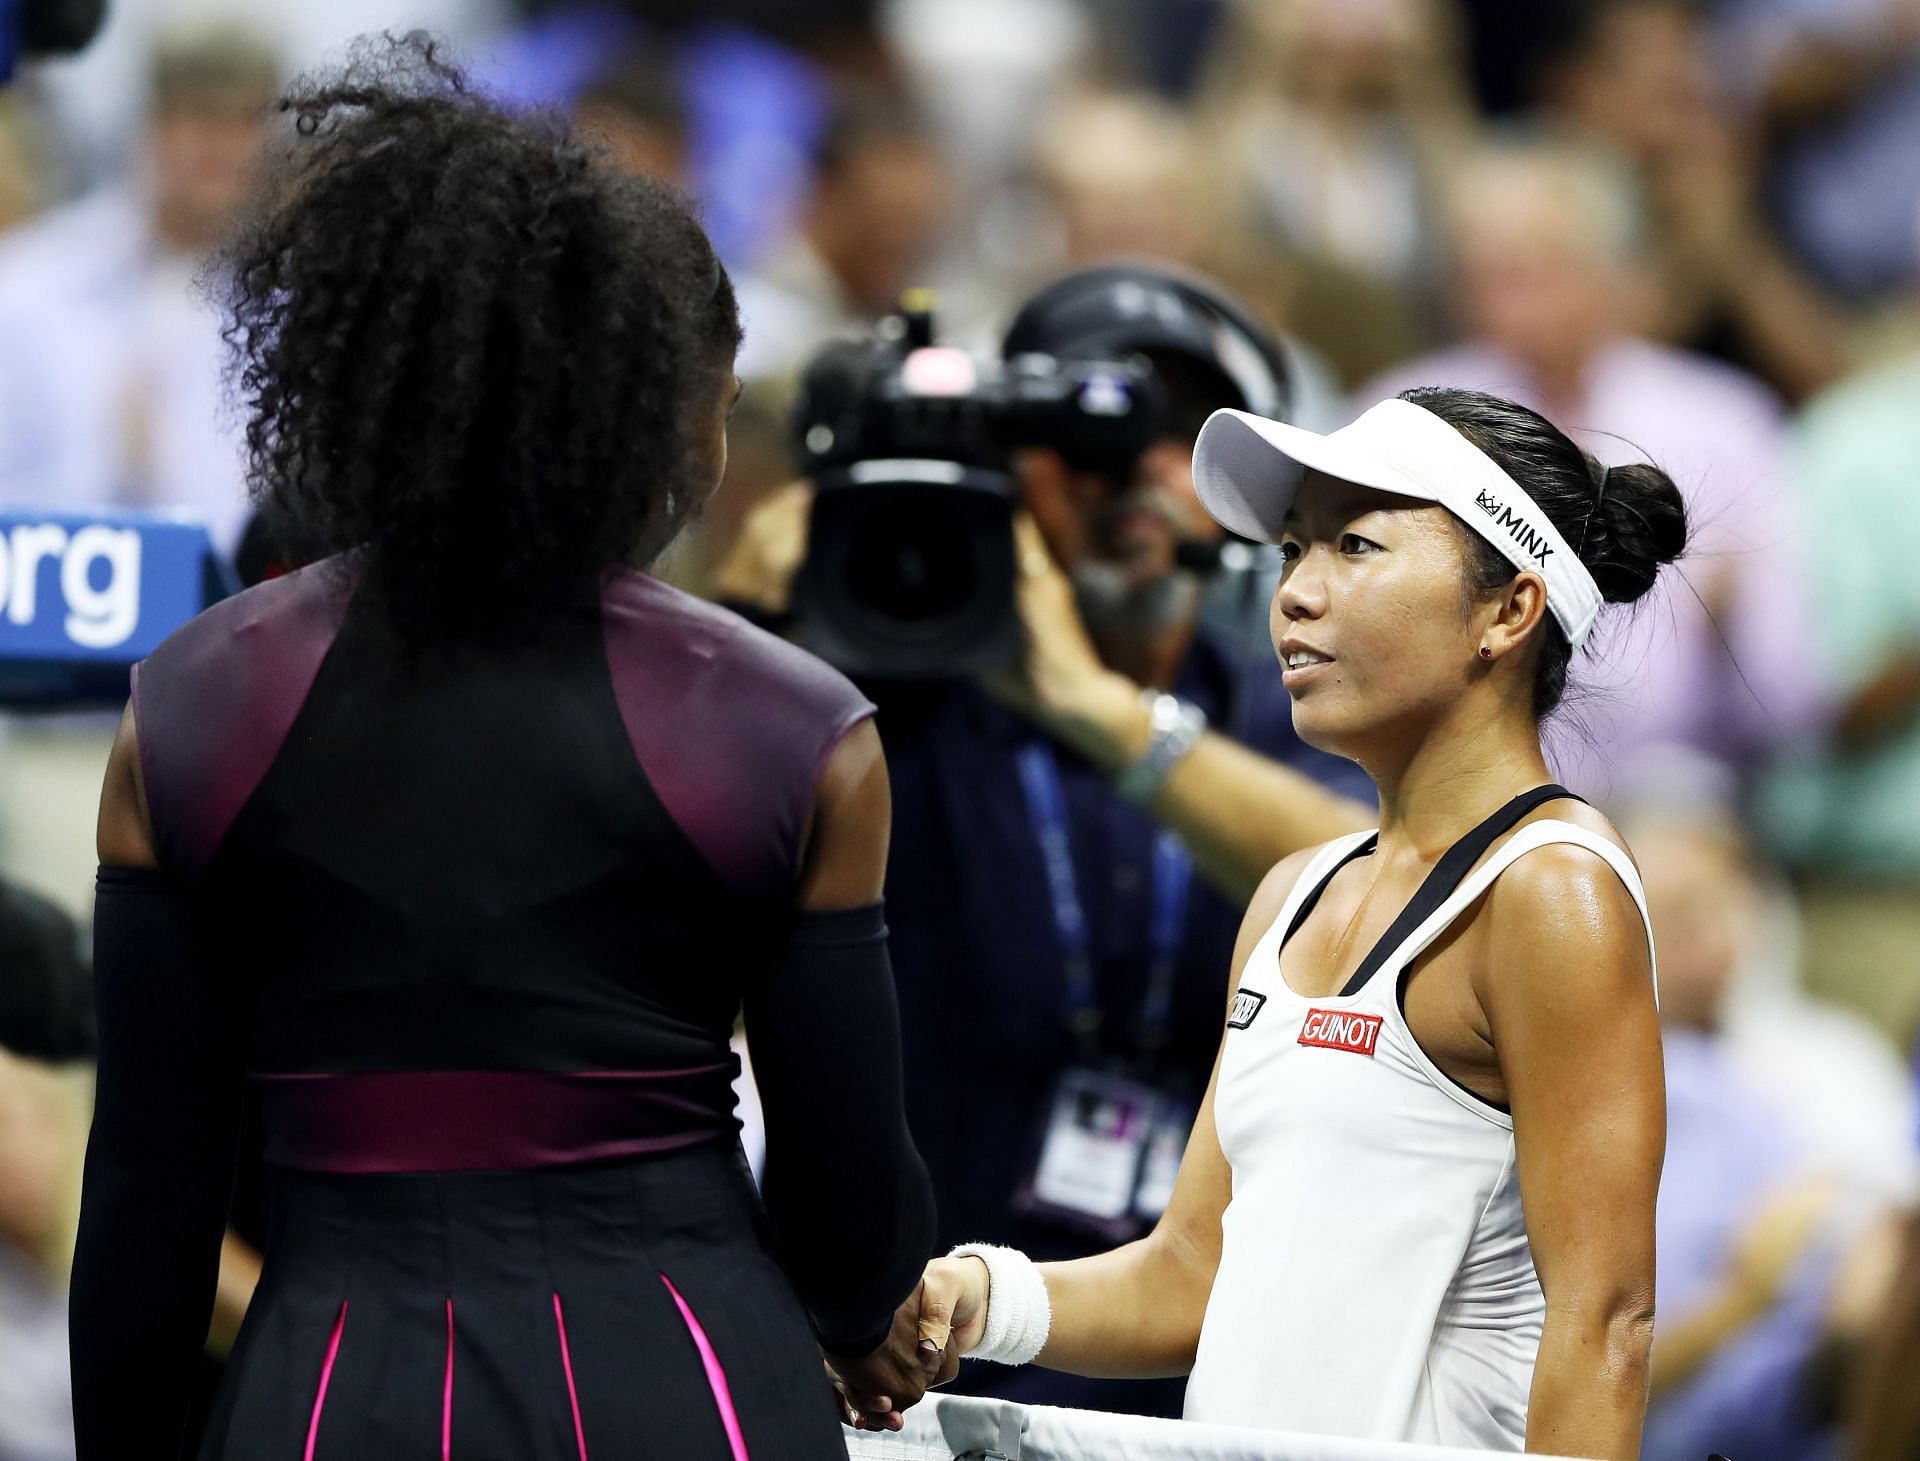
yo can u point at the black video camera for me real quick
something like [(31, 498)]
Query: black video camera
[(909, 571)]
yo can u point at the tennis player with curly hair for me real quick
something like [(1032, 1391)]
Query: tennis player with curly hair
[(457, 854)]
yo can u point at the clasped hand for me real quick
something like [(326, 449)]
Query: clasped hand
[(942, 1320)]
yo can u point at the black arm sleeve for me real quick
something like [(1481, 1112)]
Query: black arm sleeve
[(851, 1204), (159, 1172)]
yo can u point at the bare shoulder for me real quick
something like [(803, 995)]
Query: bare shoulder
[(843, 863), (1563, 907), (1563, 870), (123, 834), (855, 766), (1581, 815), (1562, 885)]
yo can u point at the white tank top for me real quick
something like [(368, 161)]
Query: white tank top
[(1375, 1278)]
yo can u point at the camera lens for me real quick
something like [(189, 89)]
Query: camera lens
[(909, 571), (894, 565)]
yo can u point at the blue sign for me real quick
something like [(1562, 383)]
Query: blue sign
[(84, 595), (12, 17)]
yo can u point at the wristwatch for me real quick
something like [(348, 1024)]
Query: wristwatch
[(1174, 725)]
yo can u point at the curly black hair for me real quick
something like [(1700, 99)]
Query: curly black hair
[(469, 345)]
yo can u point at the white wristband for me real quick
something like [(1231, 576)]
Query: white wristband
[(1019, 1313)]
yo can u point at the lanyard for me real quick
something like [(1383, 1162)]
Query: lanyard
[(1172, 879)]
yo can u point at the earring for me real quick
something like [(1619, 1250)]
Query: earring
[(1485, 653)]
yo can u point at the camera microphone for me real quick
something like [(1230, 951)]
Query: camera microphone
[(1232, 554), (1196, 556)]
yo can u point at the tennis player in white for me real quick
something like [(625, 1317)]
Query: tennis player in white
[(1418, 1201)]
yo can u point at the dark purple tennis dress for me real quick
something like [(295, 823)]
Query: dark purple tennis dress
[(490, 913)]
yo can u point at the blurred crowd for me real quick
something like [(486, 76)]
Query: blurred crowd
[(1685, 230)]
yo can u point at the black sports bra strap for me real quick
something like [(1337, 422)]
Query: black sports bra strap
[(1365, 849), (1454, 865), (1448, 873)]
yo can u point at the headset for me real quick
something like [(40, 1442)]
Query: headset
[(1148, 305)]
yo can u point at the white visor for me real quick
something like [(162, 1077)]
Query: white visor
[(1246, 469)]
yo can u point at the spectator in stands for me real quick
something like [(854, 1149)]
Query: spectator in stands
[(1772, 1235), (636, 111), (1630, 73), (869, 231), (47, 1048), (758, 80), (112, 388), (1553, 291), (1883, 1413), (1831, 1078), (43, 1112), (22, 172), (1328, 127), (101, 100), (46, 1044), (1118, 168), (1636, 76), (1837, 83), (1333, 113), (1841, 812), (1123, 179)]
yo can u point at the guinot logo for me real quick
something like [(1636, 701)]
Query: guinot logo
[(1338, 1030)]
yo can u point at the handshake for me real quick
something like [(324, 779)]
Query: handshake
[(943, 1319)]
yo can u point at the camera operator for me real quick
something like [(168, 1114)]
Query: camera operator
[(1061, 956), (1240, 811)]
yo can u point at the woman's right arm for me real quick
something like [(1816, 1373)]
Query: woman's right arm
[(1134, 1312), (160, 1156)]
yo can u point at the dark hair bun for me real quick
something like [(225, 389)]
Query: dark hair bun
[(1623, 533), (1640, 524)]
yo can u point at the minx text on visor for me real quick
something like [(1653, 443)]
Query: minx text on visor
[(1245, 468)]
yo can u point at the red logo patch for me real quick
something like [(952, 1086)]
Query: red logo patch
[(1337, 1030)]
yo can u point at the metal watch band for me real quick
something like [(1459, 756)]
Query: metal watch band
[(1174, 726)]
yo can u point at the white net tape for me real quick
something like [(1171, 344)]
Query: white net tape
[(958, 1428)]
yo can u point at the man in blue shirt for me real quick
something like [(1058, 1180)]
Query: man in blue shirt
[(1045, 1032)]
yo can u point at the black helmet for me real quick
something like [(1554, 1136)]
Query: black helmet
[(1121, 308)]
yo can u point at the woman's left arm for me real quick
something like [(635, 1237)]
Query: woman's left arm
[(1568, 991)]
